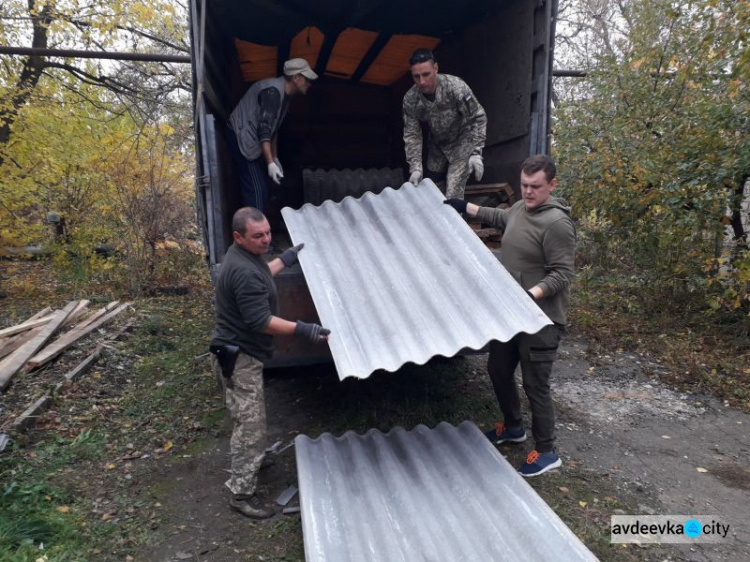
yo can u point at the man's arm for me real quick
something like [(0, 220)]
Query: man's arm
[(475, 118), (287, 259), (269, 104), (412, 137), (313, 333), (559, 244), (494, 217), (279, 327)]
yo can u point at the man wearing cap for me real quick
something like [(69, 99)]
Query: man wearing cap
[(254, 125), (456, 126)]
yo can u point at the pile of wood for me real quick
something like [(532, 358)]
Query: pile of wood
[(498, 195), (31, 344)]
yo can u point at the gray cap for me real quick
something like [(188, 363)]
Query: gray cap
[(299, 66)]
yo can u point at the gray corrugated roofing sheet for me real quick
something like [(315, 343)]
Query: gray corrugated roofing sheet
[(400, 277), (437, 495)]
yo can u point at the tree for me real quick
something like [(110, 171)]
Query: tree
[(100, 143), (654, 146), (152, 25)]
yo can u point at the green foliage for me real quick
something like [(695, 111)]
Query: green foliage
[(101, 144), (654, 149), (123, 188)]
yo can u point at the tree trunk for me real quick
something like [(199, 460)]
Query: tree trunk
[(739, 191), (30, 74)]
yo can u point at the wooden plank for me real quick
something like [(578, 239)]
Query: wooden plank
[(77, 311), (96, 315), (16, 360), (82, 367), (29, 415), (14, 342), (68, 339), (43, 312), (27, 325)]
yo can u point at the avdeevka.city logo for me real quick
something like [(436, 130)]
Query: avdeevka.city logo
[(693, 528), (644, 529)]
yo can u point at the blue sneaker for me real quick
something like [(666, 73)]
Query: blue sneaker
[(539, 463), (502, 434)]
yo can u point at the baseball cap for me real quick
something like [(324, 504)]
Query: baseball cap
[(299, 66)]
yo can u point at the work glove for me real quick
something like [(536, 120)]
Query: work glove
[(415, 177), (275, 173), (289, 257), (476, 166), (458, 204), (311, 332), (276, 161)]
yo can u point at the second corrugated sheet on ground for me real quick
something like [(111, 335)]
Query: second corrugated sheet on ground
[(426, 495), (400, 277)]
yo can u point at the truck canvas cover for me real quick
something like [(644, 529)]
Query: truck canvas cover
[(400, 277)]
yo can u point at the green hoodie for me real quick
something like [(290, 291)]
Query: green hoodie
[(538, 248)]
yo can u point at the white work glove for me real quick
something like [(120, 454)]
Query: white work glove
[(276, 161), (415, 177), (275, 173), (476, 166)]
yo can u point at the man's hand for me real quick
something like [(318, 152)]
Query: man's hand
[(476, 166), (289, 257), (313, 333), (275, 173), (276, 161), (458, 204), (415, 177)]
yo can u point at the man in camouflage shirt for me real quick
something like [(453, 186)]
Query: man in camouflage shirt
[(455, 123)]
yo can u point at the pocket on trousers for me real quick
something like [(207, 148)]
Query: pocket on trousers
[(541, 355)]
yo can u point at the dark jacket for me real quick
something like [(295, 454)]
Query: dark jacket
[(246, 299)]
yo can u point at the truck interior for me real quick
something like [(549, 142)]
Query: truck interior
[(345, 135)]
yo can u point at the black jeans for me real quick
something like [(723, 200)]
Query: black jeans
[(536, 353)]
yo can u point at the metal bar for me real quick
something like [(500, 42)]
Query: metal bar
[(380, 42), (74, 53), (567, 73), (552, 30), (282, 55), (325, 52)]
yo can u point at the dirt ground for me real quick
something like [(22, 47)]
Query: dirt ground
[(629, 445)]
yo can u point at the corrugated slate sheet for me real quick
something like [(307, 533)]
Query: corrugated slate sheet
[(437, 495), (400, 277)]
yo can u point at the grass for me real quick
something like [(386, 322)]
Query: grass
[(705, 351), (70, 487)]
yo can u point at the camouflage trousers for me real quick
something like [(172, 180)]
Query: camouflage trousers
[(448, 167), (247, 408)]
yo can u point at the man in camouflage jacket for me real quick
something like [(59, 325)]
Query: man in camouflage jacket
[(447, 110)]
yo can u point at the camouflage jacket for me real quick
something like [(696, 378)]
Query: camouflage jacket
[(454, 120)]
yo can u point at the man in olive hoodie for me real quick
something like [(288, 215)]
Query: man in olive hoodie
[(538, 250)]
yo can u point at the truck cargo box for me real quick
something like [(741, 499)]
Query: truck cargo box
[(349, 125)]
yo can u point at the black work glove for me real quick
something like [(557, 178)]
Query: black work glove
[(458, 204), (310, 332), (289, 257)]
